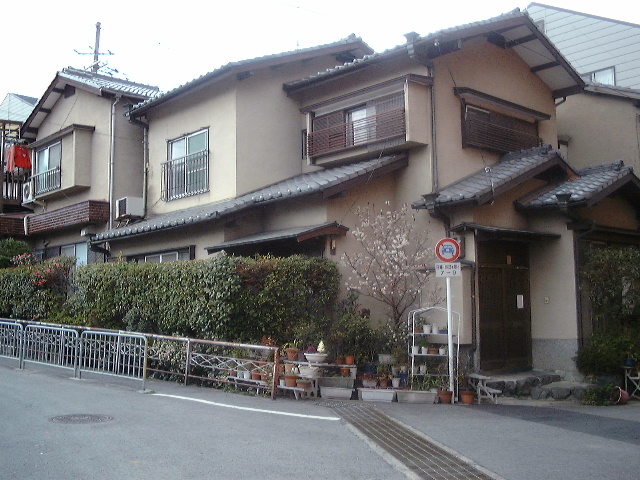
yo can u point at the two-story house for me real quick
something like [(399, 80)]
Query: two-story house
[(85, 156), (15, 162), (254, 158), (602, 124)]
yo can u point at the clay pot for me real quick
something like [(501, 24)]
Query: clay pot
[(467, 396), (339, 360), (292, 353), (290, 380), (445, 396), (345, 372), (349, 360)]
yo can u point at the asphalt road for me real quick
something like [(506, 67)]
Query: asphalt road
[(196, 433)]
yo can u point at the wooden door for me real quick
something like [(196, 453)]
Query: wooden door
[(504, 307)]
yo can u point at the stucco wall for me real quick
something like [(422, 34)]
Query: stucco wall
[(601, 128)]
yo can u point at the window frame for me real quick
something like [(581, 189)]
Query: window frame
[(47, 179), (187, 173)]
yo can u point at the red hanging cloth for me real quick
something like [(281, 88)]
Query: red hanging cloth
[(17, 156)]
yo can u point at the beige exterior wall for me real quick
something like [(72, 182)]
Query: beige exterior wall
[(213, 108), (86, 157), (491, 70), (602, 129)]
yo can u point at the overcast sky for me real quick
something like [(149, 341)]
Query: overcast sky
[(169, 43)]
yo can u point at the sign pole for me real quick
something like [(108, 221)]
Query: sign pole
[(450, 339), (448, 251)]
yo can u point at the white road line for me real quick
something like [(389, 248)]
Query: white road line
[(261, 410)]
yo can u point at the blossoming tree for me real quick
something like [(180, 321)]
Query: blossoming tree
[(391, 264)]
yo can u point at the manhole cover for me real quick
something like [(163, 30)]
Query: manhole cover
[(81, 418)]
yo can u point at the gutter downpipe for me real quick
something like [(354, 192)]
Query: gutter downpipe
[(112, 155), (411, 40), (145, 159)]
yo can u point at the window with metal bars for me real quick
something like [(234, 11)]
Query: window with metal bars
[(187, 170), (376, 120), (486, 129)]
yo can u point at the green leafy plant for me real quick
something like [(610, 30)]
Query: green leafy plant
[(598, 395), (10, 249)]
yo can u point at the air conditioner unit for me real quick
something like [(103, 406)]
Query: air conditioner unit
[(129, 207), (27, 192)]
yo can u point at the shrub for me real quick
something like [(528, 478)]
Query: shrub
[(598, 395), (9, 249), (607, 351)]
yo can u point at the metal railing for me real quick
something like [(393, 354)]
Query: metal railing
[(46, 181), (184, 176), (137, 355), (49, 345), (11, 336), (109, 353)]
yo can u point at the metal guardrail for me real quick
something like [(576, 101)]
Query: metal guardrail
[(11, 335), (137, 355), (48, 345), (109, 353)]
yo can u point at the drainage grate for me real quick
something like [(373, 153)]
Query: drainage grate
[(81, 418), (422, 457)]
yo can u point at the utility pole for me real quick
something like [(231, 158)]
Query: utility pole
[(95, 66), (96, 50)]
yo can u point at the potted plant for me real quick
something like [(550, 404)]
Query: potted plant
[(421, 391), (291, 377), (316, 355)]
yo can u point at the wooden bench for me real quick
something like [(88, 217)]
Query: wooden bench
[(479, 382)]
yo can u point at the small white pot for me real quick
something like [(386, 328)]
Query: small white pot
[(427, 328), (395, 382), (442, 350), (415, 350), (424, 350)]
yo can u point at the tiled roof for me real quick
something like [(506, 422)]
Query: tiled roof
[(591, 182), (493, 179), (351, 41), (109, 84), (301, 185), (533, 47), (358, 63), (16, 108)]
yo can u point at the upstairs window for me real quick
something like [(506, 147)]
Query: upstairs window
[(606, 76), (374, 121), (47, 177), (494, 131), (186, 172)]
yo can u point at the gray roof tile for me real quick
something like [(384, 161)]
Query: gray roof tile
[(110, 84), (492, 177), (301, 185), (591, 181)]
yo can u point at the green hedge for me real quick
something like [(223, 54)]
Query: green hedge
[(228, 298)]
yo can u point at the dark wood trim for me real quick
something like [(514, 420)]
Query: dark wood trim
[(545, 66), (464, 92), (65, 131), (522, 40)]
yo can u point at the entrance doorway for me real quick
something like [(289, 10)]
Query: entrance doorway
[(504, 306)]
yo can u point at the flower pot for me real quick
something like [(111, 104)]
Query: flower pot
[(255, 375), (290, 380), (619, 396), (416, 396), (345, 371), (336, 392), (288, 367), (467, 396), (442, 351), (424, 350), (384, 358), (377, 394), (395, 369), (349, 360), (369, 383), (310, 372), (432, 351), (395, 382), (303, 384), (339, 360), (292, 353), (427, 328), (422, 369), (445, 396), (315, 357), (283, 382), (384, 382), (246, 375), (233, 373), (415, 350)]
